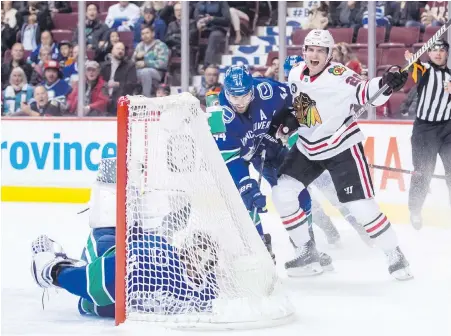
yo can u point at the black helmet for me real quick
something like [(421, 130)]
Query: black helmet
[(441, 44)]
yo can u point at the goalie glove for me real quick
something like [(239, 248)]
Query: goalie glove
[(47, 260), (251, 195)]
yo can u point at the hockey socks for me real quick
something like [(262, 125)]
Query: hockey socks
[(381, 233), (297, 226)]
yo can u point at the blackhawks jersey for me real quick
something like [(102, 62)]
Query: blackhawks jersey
[(322, 104)]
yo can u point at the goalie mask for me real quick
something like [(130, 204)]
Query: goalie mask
[(102, 203), (199, 254)]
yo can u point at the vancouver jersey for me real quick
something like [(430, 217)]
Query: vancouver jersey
[(247, 133), (322, 104), (58, 90), (163, 281)]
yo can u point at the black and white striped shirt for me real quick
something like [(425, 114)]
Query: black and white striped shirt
[(434, 103)]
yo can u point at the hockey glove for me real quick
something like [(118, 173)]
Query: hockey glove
[(289, 126), (251, 195), (394, 79)]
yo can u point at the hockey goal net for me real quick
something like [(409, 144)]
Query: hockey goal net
[(178, 204)]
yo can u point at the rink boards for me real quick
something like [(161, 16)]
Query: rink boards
[(55, 160)]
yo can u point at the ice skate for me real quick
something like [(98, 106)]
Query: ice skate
[(307, 262), (47, 256), (416, 220), (398, 265), (268, 244), (325, 260)]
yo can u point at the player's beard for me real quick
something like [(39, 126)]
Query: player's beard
[(240, 108)]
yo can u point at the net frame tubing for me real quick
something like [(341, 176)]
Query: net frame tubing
[(121, 200)]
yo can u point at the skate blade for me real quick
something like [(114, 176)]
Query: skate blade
[(306, 271), (328, 268), (417, 226), (336, 245), (402, 274)]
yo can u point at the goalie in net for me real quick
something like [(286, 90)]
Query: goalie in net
[(182, 281)]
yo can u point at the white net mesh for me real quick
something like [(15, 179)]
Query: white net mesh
[(194, 258)]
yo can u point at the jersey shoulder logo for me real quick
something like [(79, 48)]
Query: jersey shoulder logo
[(337, 70), (227, 115), (306, 112), (265, 90)]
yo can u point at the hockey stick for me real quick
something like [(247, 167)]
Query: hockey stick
[(259, 182), (410, 62), (405, 171)]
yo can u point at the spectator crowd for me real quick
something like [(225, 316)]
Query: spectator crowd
[(135, 47)]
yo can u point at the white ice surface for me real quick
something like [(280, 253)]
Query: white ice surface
[(359, 298)]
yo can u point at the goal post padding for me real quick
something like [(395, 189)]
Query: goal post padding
[(172, 182)]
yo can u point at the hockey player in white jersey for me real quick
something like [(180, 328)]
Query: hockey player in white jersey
[(323, 183), (322, 95)]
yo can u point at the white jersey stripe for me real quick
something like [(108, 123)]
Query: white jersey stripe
[(323, 146)]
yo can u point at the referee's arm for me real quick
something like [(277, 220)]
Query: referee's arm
[(418, 69)]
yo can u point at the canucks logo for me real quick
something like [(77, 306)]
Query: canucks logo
[(306, 112)]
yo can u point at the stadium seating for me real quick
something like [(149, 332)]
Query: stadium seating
[(342, 34), (62, 34), (102, 16), (362, 56), (429, 32), (65, 20), (396, 99), (127, 39), (406, 35), (393, 56), (362, 36), (298, 36)]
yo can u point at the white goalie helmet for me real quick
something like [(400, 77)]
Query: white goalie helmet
[(102, 203), (320, 38)]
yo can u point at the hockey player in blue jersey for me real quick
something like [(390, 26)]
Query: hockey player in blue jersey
[(253, 111), (187, 274)]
